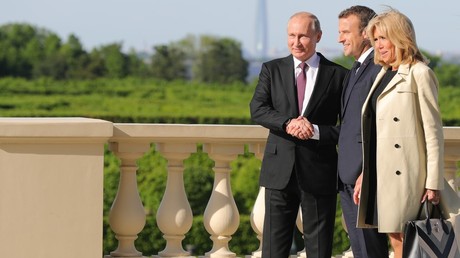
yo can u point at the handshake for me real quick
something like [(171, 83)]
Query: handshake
[(300, 128)]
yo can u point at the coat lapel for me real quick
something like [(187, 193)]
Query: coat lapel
[(344, 100), (286, 70), (402, 73), (321, 85), (363, 67)]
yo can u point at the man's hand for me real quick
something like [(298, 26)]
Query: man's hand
[(300, 128), (357, 189)]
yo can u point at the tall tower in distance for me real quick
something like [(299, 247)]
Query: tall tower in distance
[(261, 30)]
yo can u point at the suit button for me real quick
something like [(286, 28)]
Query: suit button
[(398, 172), (397, 146), (395, 119)]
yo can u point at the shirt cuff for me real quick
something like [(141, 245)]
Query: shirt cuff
[(316, 135)]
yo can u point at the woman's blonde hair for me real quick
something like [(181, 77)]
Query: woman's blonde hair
[(398, 29)]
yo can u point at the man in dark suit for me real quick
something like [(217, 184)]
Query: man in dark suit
[(300, 160), (352, 34)]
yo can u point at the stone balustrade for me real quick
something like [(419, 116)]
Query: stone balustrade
[(223, 143), (51, 183)]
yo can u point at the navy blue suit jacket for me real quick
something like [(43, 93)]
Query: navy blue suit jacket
[(350, 149)]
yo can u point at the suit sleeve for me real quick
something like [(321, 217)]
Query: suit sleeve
[(329, 134), (262, 108)]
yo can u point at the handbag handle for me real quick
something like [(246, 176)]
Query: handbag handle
[(429, 216)]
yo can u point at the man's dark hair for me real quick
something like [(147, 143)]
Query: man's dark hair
[(364, 14)]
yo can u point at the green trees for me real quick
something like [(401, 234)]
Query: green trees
[(30, 52), (205, 59), (168, 63), (448, 74), (21, 45), (50, 62), (115, 62), (221, 61)]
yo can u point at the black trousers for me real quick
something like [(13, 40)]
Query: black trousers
[(281, 209), (365, 242)]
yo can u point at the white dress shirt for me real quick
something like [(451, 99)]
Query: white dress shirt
[(311, 73)]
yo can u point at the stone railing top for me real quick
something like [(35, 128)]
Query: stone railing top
[(189, 133), (203, 132), (68, 127), (452, 134), (78, 127)]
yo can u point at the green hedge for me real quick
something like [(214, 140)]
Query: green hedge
[(135, 100)]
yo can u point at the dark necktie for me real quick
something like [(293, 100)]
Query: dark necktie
[(354, 70), (355, 66), (301, 84)]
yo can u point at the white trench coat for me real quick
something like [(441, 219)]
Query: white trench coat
[(410, 146)]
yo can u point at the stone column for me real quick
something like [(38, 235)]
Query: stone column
[(221, 217), (258, 211), (174, 216), (450, 170), (299, 224), (451, 155), (127, 215)]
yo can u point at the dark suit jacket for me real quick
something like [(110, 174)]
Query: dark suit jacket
[(274, 102), (354, 94)]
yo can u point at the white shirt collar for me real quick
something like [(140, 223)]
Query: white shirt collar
[(313, 61), (364, 55)]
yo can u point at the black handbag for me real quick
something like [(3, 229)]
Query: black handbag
[(432, 237)]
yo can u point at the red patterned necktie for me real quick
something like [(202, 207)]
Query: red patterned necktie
[(301, 84)]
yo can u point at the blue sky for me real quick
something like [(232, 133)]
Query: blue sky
[(141, 24)]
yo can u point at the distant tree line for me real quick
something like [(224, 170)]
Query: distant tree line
[(30, 52)]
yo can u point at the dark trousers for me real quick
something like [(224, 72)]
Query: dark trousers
[(281, 209), (365, 242)]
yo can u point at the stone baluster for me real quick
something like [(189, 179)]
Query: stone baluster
[(258, 211), (299, 223), (451, 156), (127, 216), (450, 171), (257, 221), (174, 216), (221, 217)]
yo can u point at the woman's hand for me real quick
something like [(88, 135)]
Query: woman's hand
[(432, 196), (357, 189)]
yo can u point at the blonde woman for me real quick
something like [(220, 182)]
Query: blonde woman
[(401, 130)]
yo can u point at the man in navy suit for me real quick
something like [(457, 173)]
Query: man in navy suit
[(352, 34), (300, 160)]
